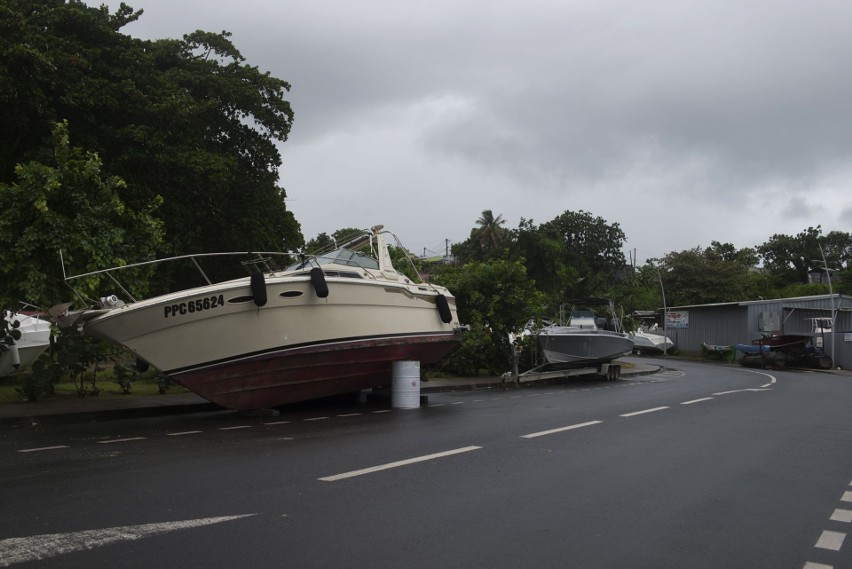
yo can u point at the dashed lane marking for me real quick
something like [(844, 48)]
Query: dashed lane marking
[(697, 401), (644, 411), (397, 464), (235, 427), (278, 423), (43, 448), (832, 540), (128, 439), (847, 497), (560, 429), (182, 433), (811, 565), (841, 516)]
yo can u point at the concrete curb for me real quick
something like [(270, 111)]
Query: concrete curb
[(59, 414)]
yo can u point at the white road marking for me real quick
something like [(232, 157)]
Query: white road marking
[(381, 411), (832, 540), (397, 464), (235, 427), (841, 516), (847, 497), (729, 392), (121, 440), (439, 405), (180, 434), (278, 423), (23, 549), (457, 403), (812, 565), (560, 429), (644, 411), (42, 448), (316, 418), (771, 377), (696, 401), (349, 415)]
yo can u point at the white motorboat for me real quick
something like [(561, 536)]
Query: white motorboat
[(326, 325), (34, 340), (650, 340), (585, 339)]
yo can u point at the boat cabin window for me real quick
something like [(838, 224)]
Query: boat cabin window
[(339, 257)]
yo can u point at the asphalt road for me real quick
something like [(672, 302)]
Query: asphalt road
[(703, 466)]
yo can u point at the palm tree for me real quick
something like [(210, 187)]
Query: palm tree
[(490, 230)]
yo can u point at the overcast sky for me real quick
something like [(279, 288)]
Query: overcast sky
[(683, 121)]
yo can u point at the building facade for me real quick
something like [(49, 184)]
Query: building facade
[(731, 323)]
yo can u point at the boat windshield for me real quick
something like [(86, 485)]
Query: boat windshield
[(344, 257)]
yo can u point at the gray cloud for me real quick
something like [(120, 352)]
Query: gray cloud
[(621, 108)]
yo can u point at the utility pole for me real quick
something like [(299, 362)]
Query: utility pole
[(665, 316), (830, 298)]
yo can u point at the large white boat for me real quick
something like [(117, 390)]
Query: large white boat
[(326, 325), (34, 340), (585, 338)]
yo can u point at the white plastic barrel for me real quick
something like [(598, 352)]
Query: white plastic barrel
[(405, 391)]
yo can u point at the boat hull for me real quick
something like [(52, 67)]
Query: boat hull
[(34, 340), (583, 347), (308, 372), (217, 342), (646, 342)]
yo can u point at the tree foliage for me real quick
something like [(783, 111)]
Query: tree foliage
[(68, 205), (718, 273), (185, 119), (495, 298), (790, 260), (592, 248)]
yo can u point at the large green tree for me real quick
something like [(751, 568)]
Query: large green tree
[(789, 260), (186, 119), (592, 247), (69, 205), (719, 273)]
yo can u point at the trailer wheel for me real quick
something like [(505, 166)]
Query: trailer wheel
[(613, 372)]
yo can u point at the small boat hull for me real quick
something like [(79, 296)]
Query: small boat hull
[(35, 339), (644, 342), (583, 347)]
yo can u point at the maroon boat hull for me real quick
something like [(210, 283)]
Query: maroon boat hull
[(308, 372)]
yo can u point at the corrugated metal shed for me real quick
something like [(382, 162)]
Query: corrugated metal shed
[(731, 323)]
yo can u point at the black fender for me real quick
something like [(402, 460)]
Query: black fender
[(444, 309), (258, 288), (318, 280)]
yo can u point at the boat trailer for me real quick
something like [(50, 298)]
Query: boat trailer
[(609, 371)]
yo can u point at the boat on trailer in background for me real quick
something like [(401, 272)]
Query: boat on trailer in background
[(585, 338), (325, 325), (34, 339)]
